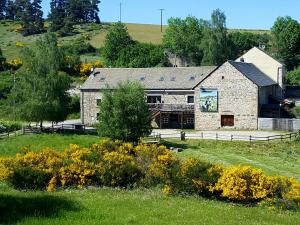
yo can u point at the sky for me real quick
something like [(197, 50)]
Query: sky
[(251, 14)]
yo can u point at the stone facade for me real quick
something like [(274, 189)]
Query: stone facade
[(90, 109), (237, 96)]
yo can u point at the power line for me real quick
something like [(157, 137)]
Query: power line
[(161, 19)]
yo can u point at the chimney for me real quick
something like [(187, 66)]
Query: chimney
[(242, 60)]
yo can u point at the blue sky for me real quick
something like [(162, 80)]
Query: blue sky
[(251, 14)]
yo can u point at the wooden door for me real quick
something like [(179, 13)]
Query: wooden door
[(227, 120)]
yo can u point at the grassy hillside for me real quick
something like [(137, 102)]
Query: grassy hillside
[(9, 37)]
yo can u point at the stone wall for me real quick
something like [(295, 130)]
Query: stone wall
[(237, 96), (88, 105), (89, 108)]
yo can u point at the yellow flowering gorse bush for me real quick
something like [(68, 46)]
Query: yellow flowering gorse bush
[(118, 164)]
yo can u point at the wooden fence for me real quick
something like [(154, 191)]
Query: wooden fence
[(225, 137), (8, 134)]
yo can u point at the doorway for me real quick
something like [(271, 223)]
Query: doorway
[(227, 120)]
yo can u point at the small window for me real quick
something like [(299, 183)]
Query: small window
[(223, 77), (190, 120), (190, 99), (161, 78), (192, 77), (154, 99), (165, 120), (98, 102)]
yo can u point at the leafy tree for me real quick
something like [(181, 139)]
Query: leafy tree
[(142, 55), (293, 77), (183, 38), (116, 40), (41, 92), (6, 84), (216, 46), (2, 61), (124, 114), (243, 41), (286, 40)]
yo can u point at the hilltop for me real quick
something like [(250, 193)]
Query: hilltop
[(11, 42)]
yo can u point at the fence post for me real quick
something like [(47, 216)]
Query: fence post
[(202, 134), (216, 136), (182, 136), (281, 138), (250, 140), (231, 138), (268, 139), (290, 136)]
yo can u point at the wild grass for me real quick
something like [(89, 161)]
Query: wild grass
[(116, 207), (147, 207), (275, 158), (13, 145)]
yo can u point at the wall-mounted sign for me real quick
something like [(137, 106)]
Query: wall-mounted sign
[(208, 100)]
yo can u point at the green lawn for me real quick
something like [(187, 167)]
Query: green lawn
[(11, 146), (275, 158), (144, 207), (114, 206)]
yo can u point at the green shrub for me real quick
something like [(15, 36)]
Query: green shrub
[(27, 178), (9, 126)]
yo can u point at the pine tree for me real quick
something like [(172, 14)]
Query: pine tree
[(10, 10), (30, 16), (94, 11), (2, 9), (37, 16), (57, 14)]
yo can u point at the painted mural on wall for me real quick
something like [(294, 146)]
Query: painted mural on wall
[(209, 100)]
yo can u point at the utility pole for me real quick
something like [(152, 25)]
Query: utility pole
[(120, 12), (161, 19)]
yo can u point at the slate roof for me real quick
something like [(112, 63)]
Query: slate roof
[(158, 78), (253, 73)]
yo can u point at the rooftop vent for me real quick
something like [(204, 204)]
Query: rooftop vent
[(142, 78), (161, 78), (242, 59), (173, 78), (102, 79)]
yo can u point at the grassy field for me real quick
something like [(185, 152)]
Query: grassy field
[(140, 32), (115, 206), (11, 146), (274, 158), (118, 207)]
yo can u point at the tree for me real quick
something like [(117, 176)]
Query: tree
[(243, 41), (216, 46), (94, 11), (2, 9), (116, 40), (286, 41), (293, 77), (30, 16), (183, 38), (10, 10), (57, 14), (124, 114), (41, 92)]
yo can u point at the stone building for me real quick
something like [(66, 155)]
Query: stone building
[(169, 92), (232, 95)]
